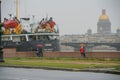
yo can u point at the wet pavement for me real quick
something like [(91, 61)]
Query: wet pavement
[(7, 73)]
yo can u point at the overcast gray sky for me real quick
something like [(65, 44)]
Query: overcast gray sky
[(72, 16)]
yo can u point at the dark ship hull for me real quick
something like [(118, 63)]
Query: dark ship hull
[(51, 45), (47, 43)]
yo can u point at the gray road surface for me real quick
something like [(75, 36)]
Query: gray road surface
[(40, 74)]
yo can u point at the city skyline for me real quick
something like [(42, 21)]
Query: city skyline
[(72, 17)]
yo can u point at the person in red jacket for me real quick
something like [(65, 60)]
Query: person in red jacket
[(52, 24), (82, 51)]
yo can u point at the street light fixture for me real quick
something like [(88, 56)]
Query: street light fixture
[(1, 52)]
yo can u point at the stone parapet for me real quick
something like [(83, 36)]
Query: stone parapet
[(11, 52)]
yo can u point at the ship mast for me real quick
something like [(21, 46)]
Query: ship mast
[(17, 9)]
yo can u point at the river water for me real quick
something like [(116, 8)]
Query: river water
[(41, 74)]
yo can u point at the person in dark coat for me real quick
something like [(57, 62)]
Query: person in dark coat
[(84, 52), (39, 52)]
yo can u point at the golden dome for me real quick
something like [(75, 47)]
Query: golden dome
[(103, 17)]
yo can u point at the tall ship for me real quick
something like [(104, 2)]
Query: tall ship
[(27, 37)]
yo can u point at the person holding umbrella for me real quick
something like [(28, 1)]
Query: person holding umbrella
[(39, 50), (83, 50)]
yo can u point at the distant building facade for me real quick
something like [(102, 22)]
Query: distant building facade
[(103, 35), (104, 24)]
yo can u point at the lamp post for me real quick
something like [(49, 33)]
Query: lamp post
[(1, 52)]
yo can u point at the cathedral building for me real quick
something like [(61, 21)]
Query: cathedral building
[(104, 24)]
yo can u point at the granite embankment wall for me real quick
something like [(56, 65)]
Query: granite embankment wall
[(11, 52)]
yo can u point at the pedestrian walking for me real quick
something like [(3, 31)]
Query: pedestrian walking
[(82, 51), (39, 52)]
